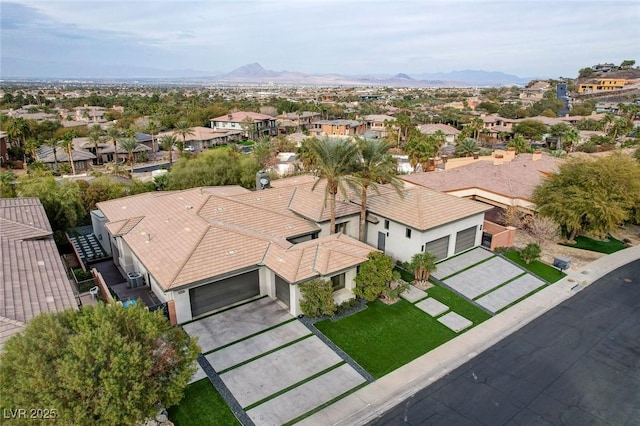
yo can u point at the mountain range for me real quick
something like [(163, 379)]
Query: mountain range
[(18, 68)]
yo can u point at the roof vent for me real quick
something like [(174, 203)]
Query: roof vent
[(188, 207), (231, 252)]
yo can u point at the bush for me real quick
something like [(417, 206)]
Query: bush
[(82, 275), (317, 298), (374, 277), (530, 253)]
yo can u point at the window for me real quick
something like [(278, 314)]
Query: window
[(386, 224), (408, 233), (337, 282), (341, 227)]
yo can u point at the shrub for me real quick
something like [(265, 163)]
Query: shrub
[(82, 275), (317, 298), (530, 253), (423, 264), (374, 277)]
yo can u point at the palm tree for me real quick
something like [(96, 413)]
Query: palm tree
[(95, 138), (18, 130), (31, 145), (67, 144), (152, 129), (129, 145), (420, 149), (53, 143), (571, 137), (167, 142), (335, 159), (520, 144), (475, 126), (114, 134), (376, 166), (467, 147), (183, 129), (423, 264)]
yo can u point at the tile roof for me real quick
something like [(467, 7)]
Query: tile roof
[(33, 278), (430, 129), (237, 117), (422, 208), (515, 179)]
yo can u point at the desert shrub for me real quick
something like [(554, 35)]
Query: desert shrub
[(530, 253)]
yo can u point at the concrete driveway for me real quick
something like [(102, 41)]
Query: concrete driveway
[(271, 364)]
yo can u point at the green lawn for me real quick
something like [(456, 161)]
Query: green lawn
[(202, 405), (458, 304), (544, 271), (383, 337), (607, 247)]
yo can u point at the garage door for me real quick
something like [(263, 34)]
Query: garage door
[(439, 247), (223, 293), (282, 291), (465, 239)]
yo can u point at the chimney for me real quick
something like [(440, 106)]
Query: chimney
[(229, 116), (498, 159), (537, 155)]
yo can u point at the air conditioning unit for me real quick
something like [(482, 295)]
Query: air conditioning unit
[(135, 279)]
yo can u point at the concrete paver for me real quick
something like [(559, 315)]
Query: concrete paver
[(271, 373), (455, 321), (413, 294), (509, 293), (256, 345), (232, 325), (482, 278), (306, 397), (461, 262), (432, 307)]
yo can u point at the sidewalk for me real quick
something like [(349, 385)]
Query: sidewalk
[(373, 400)]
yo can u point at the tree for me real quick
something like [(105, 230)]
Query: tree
[(183, 129), (374, 276), (519, 144), (475, 126), (627, 64), (317, 298), (67, 144), (377, 166), (18, 130), (589, 124), (587, 72), (421, 149), (592, 196), (53, 143), (102, 364), (113, 134), (423, 264), (467, 147), (167, 143), (530, 253), (335, 160), (620, 126), (95, 138), (530, 129), (152, 129), (129, 145), (7, 184)]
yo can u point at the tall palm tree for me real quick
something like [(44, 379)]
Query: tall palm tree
[(18, 130), (113, 134), (376, 166), (95, 138), (67, 144), (152, 129), (167, 143), (475, 126), (571, 137), (129, 145), (467, 147), (30, 146), (420, 149), (53, 143), (520, 144), (335, 160), (183, 129)]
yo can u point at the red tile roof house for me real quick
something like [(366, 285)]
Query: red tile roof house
[(210, 248), (33, 278), (261, 124)]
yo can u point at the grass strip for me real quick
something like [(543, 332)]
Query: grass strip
[(491, 290), (541, 270), (325, 405), (293, 386), (250, 336), (202, 405), (459, 304), (607, 247), (240, 364)]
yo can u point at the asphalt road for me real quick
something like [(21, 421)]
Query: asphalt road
[(578, 364)]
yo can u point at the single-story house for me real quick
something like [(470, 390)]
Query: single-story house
[(34, 280), (450, 132), (82, 159)]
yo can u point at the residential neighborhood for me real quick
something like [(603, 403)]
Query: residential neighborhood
[(320, 253)]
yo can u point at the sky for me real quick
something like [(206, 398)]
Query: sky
[(81, 38)]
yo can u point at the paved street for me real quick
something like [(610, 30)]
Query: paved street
[(577, 364)]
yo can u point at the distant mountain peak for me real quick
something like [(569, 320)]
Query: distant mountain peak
[(402, 76), (251, 71)]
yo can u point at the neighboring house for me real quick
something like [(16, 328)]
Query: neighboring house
[(82, 159), (325, 128), (510, 183), (450, 133), (33, 278), (300, 120), (204, 138), (377, 125), (107, 153), (89, 114), (602, 85), (253, 125), (208, 248)]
